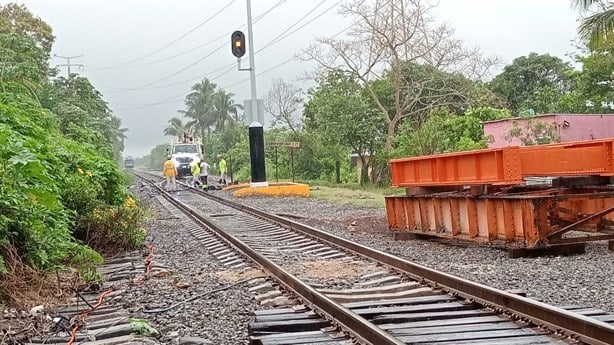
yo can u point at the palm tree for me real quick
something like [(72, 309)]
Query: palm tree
[(121, 137), (175, 127), (200, 108), (118, 135), (225, 109), (599, 25)]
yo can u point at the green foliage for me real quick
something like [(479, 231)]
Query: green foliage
[(594, 85), (17, 19), (112, 229), (23, 64), (429, 88), (343, 115), (58, 141), (32, 217), (444, 132), (86, 260), (50, 185), (84, 115), (533, 82), (155, 159), (598, 27), (142, 327), (175, 127), (414, 108), (209, 108)]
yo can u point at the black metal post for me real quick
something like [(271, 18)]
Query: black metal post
[(230, 167), (292, 162), (256, 153), (276, 176)]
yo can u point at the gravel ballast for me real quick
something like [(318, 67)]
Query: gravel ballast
[(586, 279), (223, 317), (217, 318)]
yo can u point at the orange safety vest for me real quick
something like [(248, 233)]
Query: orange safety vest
[(169, 168)]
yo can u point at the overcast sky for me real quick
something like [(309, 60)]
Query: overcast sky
[(143, 55)]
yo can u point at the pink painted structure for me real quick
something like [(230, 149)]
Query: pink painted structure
[(570, 127)]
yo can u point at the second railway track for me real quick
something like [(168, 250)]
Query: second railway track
[(376, 298)]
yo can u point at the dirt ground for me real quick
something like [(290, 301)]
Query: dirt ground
[(367, 224)]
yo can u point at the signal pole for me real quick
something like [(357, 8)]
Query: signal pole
[(68, 64), (256, 129)]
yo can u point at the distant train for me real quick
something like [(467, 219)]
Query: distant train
[(129, 163)]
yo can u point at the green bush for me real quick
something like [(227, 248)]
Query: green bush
[(50, 188), (32, 217), (113, 229)]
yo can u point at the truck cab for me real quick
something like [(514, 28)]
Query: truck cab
[(183, 150)]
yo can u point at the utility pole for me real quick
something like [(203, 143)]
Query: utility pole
[(254, 109), (68, 64), (256, 129)]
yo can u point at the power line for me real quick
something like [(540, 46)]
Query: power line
[(165, 13), (261, 73), (177, 39), (284, 62), (212, 79), (282, 35), (177, 82), (277, 39), (258, 18), (181, 70), (228, 70), (281, 38), (298, 21), (146, 86), (174, 97)]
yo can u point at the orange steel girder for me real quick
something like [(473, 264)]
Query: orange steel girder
[(505, 166), (524, 220)]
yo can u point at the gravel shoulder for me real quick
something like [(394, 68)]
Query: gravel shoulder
[(586, 279)]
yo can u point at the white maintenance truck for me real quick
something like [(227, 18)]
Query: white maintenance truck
[(185, 149)]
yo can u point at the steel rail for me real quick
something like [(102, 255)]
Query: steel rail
[(586, 329), (351, 322)]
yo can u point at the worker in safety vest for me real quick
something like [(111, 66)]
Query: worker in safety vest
[(195, 169), (223, 169), (170, 172)]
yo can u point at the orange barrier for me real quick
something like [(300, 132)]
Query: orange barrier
[(523, 220), (505, 166)]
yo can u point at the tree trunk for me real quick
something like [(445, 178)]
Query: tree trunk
[(337, 171), (364, 172), (390, 135)]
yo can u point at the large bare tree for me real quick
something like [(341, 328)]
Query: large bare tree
[(385, 38), (282, 102)]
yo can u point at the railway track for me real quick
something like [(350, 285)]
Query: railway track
[(372, 296)]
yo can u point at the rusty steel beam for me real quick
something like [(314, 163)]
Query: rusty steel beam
[(585, 239), (580, 222), (493, 166), (519, 219), (505, 166)]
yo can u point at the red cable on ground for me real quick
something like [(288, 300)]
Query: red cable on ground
[(85, 313), (148, 261)]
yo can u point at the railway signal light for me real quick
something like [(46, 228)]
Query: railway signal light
[(238, 44)]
